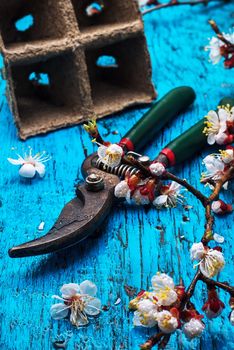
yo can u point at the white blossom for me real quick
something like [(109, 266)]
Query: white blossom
[(212, 263), (163, 288), (216, 125), (110, 155), (166, 322), (30, 165), (215, 45), (144, 320), (157, 169), (214, 166), (211, 260), (79, 300), (193, 328), (169, 197)]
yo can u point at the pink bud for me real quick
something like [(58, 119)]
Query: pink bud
[(221, 208), (213, 306)]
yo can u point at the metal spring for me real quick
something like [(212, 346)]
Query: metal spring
[(120, 170)]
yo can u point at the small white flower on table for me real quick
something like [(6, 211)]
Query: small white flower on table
[(31, 165), (78, 300)]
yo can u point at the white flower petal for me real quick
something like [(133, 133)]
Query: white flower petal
[(223, 115), (101, 151), (197, 251), (162, 279), (175, 187), (213, 117), (27, 171), (93, 307), (40, 168), (19, 161), (59, 311), (69, 290), (225, 186), (211, 139), (220, 138), (160, 200), (88, 287)]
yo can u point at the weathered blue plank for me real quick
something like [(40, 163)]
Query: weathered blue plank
[(129, 249)]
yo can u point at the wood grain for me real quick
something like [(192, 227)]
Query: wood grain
[(129, 248)]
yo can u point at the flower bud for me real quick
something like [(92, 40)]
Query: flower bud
[(221, 208), (193, 328), (157, 169), (213, 307)]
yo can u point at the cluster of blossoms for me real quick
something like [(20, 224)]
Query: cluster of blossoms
[(161, 307), (219, 50), (141, 191), (219, 126), (167, 306), (31, 165), (78, 301)]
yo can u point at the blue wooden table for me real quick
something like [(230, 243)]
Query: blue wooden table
[(130, 247)]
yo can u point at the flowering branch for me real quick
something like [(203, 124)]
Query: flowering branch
[(168, 306), (176, 3)]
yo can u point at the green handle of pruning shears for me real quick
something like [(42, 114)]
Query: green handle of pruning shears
[(157, 117), (190, 142)]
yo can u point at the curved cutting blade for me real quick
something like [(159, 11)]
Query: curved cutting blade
[(78, 220)]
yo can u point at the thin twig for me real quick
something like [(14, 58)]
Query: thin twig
[(178, 3), (220, 34), (221, 285)]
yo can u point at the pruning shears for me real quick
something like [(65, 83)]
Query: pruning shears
[(95, 197)]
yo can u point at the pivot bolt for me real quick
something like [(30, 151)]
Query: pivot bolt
[(94, 183), (144, 160)]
